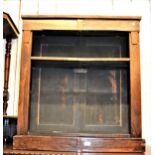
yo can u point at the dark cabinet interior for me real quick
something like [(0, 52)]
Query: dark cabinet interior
[(79, 96), (9, 129)]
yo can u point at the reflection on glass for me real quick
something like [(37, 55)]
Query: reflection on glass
[(81, 44), (79, 99)]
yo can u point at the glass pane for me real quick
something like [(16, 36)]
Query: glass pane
[(106, 108), (79, 100), (52, 98), (81, 44)]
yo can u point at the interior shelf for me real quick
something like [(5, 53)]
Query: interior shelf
[(78, 59), (78, 62)]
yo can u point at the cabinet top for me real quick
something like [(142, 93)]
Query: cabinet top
[(9, 27), (81, 23), (81, 17)]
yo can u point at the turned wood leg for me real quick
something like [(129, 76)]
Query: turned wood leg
[(6, 75)]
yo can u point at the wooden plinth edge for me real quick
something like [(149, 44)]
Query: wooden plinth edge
[(8, 150), (79, 144)]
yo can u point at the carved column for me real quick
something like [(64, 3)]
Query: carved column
[(6, 74)]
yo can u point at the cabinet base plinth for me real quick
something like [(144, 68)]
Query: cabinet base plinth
[(79, 144)]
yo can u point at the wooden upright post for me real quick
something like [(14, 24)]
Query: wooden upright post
[(6, 74)]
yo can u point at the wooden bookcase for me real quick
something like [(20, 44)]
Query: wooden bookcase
[(47, 61)]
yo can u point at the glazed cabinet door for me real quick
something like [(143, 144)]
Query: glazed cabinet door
[(80, 83)]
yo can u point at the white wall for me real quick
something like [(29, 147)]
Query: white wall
[(16, 8), (152, 88)]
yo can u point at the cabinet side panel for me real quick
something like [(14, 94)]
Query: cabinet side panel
[(23, 110), (135, 92)]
